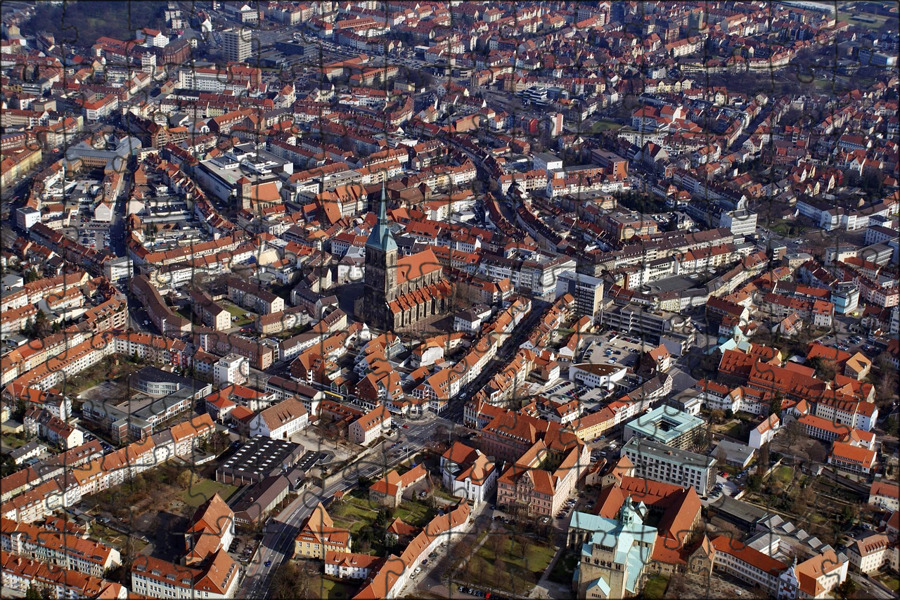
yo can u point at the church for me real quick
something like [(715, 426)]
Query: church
[(399, 292)]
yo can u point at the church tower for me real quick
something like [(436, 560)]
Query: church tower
[(381, 272)]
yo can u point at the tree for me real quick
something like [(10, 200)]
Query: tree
[(754, 482), (792, 433), (886, 379), (847, 589), (32, 593), (716, 415), (891, 427), (775, 406), (817, 453), (763, 460)]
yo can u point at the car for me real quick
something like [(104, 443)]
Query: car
[(460, 588), (405, 426)]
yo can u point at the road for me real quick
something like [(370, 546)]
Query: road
[(870, 588)]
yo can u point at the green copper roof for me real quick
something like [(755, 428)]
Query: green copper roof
[(381, 236)]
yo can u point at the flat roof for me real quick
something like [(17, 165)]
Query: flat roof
[(664, 424), (651, 448), (260, 457)]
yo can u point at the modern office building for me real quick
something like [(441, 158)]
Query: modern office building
[(587, 291), (236, 44), (656, 461), (666, 425)]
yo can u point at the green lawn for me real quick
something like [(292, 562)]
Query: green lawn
[(890, 581), (783, 474), (201, 491), (13, 442), (328, 589), (601, 126), (238, 312), (655, 587), (353, 513), (534, 558), (415, 513), (564, 569)]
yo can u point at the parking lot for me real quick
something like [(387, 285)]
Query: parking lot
[(612, 348)]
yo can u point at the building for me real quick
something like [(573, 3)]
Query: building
[(592, 375), (211, 530), (748, 564), (396, 571), (542, 479), (870, 553), (350, 565), (612, 563), (399, 292), (21, 574), (847, 457), (281, 420), (388, 491), (157, 578), (318, 536), (261, 498), (65, 550), (656, 461), (231, 369), (675, 511), (885, 495), (370, 426), (258, 458), (253, 297), (587, 291), (815, 577), (237, 44), (468, 473), (210, 313), (764, 432), (666, 425)]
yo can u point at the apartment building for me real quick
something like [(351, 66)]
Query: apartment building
[(65, 550), (211, 314), (156, 578), (748, 564), (318, 536), (20, 574), (370, 426), (253, 297)]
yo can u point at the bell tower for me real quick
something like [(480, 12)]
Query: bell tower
[(381, 271)]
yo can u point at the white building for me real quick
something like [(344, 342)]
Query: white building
[(280, 421), (231, 369), (885, 494), (596, 375), (157, 578), (764, 432), (468, 473), (370, 426), (870, 553)]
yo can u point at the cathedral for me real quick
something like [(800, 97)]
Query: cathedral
[(399, 292)]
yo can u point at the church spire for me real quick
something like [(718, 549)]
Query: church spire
[(382, 204), (381, 236)]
